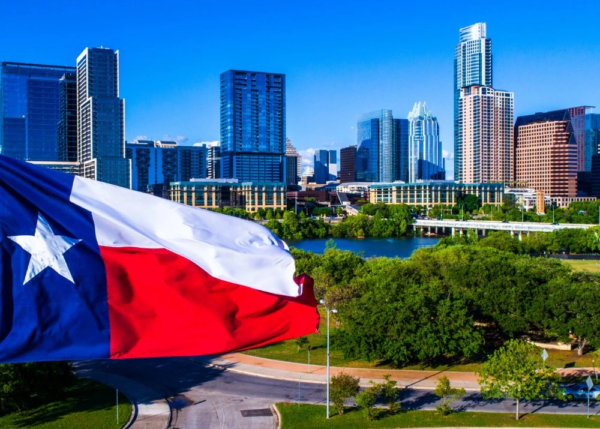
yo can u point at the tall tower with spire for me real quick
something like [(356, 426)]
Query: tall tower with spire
[(424, 146)]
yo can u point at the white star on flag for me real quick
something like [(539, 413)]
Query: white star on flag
[(46, 249)]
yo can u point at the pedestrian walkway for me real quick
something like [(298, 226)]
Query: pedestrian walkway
[(148, 411), (290, 371)]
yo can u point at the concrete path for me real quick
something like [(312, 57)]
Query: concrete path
[(261, 367)]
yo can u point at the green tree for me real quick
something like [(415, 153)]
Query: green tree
[(367, 399), (269, 215), (343, 386), (28, 385), (575, 305), (390, 394), (447, 395), (516, 371), (301, 342)]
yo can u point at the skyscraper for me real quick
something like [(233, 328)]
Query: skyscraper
[(382, 142), (253, 126), (584, 160), (30, 110), (332, 165), (321, 166), (163, 162), (290, 150), (546, 153), (348, 164), (485, 136), (424, 146), (472, 66), (101, 118), (592, 138), (67, 123)]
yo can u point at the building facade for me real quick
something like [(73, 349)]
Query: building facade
[(382, 147), (161, 162), (546, 153), (425, 160), (101, 118), (67, 123), (432, 193), (472, 66), (30, 96), (291, 170), (484, 136), (325, 166), (290, 150), (211, 194), (348, 164), (253, 126), (213, 170), (592, 138)]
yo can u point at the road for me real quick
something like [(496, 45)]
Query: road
[(203, 397)]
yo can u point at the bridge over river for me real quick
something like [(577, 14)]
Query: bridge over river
[(481, 227)]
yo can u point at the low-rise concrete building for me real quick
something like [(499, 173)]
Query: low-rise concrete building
[(219, 193)]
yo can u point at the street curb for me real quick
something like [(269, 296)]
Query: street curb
[(274, 406)]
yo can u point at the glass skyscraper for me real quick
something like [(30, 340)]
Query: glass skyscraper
[(472, 66), (382, 142), (30, 110), (253, 126), (101, 118), (424, 146), (67, 124), (321, 166), (592, 138)]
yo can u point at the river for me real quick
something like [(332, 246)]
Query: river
[(401, 247)]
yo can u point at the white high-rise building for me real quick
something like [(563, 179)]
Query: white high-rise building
[(424, 146), (291, 151)]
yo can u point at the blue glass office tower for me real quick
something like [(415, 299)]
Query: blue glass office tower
[(101, 118), (424, 146), (472, 66), (592, 138), (30, 110), (382, 143), (253, 126), (321, 166)]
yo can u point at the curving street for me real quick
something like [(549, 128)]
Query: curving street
[(200, 396)]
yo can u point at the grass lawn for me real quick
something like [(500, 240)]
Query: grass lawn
[(288, 351), (313, 416), (582, 265), (88, 405)]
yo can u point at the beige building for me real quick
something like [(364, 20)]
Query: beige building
[(484, 145), (212, 194), (546, 153)]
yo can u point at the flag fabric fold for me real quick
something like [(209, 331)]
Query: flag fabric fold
[(90, 270)]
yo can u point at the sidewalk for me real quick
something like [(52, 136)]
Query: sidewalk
[(261, 367)]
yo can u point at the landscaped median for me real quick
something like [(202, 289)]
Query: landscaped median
[(313, 416), (87, 404)]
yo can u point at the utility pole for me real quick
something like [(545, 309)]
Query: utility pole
[(328, 312)]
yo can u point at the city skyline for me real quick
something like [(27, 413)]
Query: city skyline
[(327, 87)]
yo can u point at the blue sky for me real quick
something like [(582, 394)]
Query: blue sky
[(341, 58)]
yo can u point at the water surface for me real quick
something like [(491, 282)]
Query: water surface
[(401, 247)]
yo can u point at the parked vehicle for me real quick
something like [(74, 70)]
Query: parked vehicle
[(579, 392)]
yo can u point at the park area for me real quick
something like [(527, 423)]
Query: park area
[(87, 404)]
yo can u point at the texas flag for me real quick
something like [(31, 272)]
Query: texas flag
[(90, 270)]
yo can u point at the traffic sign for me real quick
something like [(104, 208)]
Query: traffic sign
[(589, 383), (544, 355)]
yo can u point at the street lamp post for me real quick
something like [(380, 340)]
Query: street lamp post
[(333, 310)]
